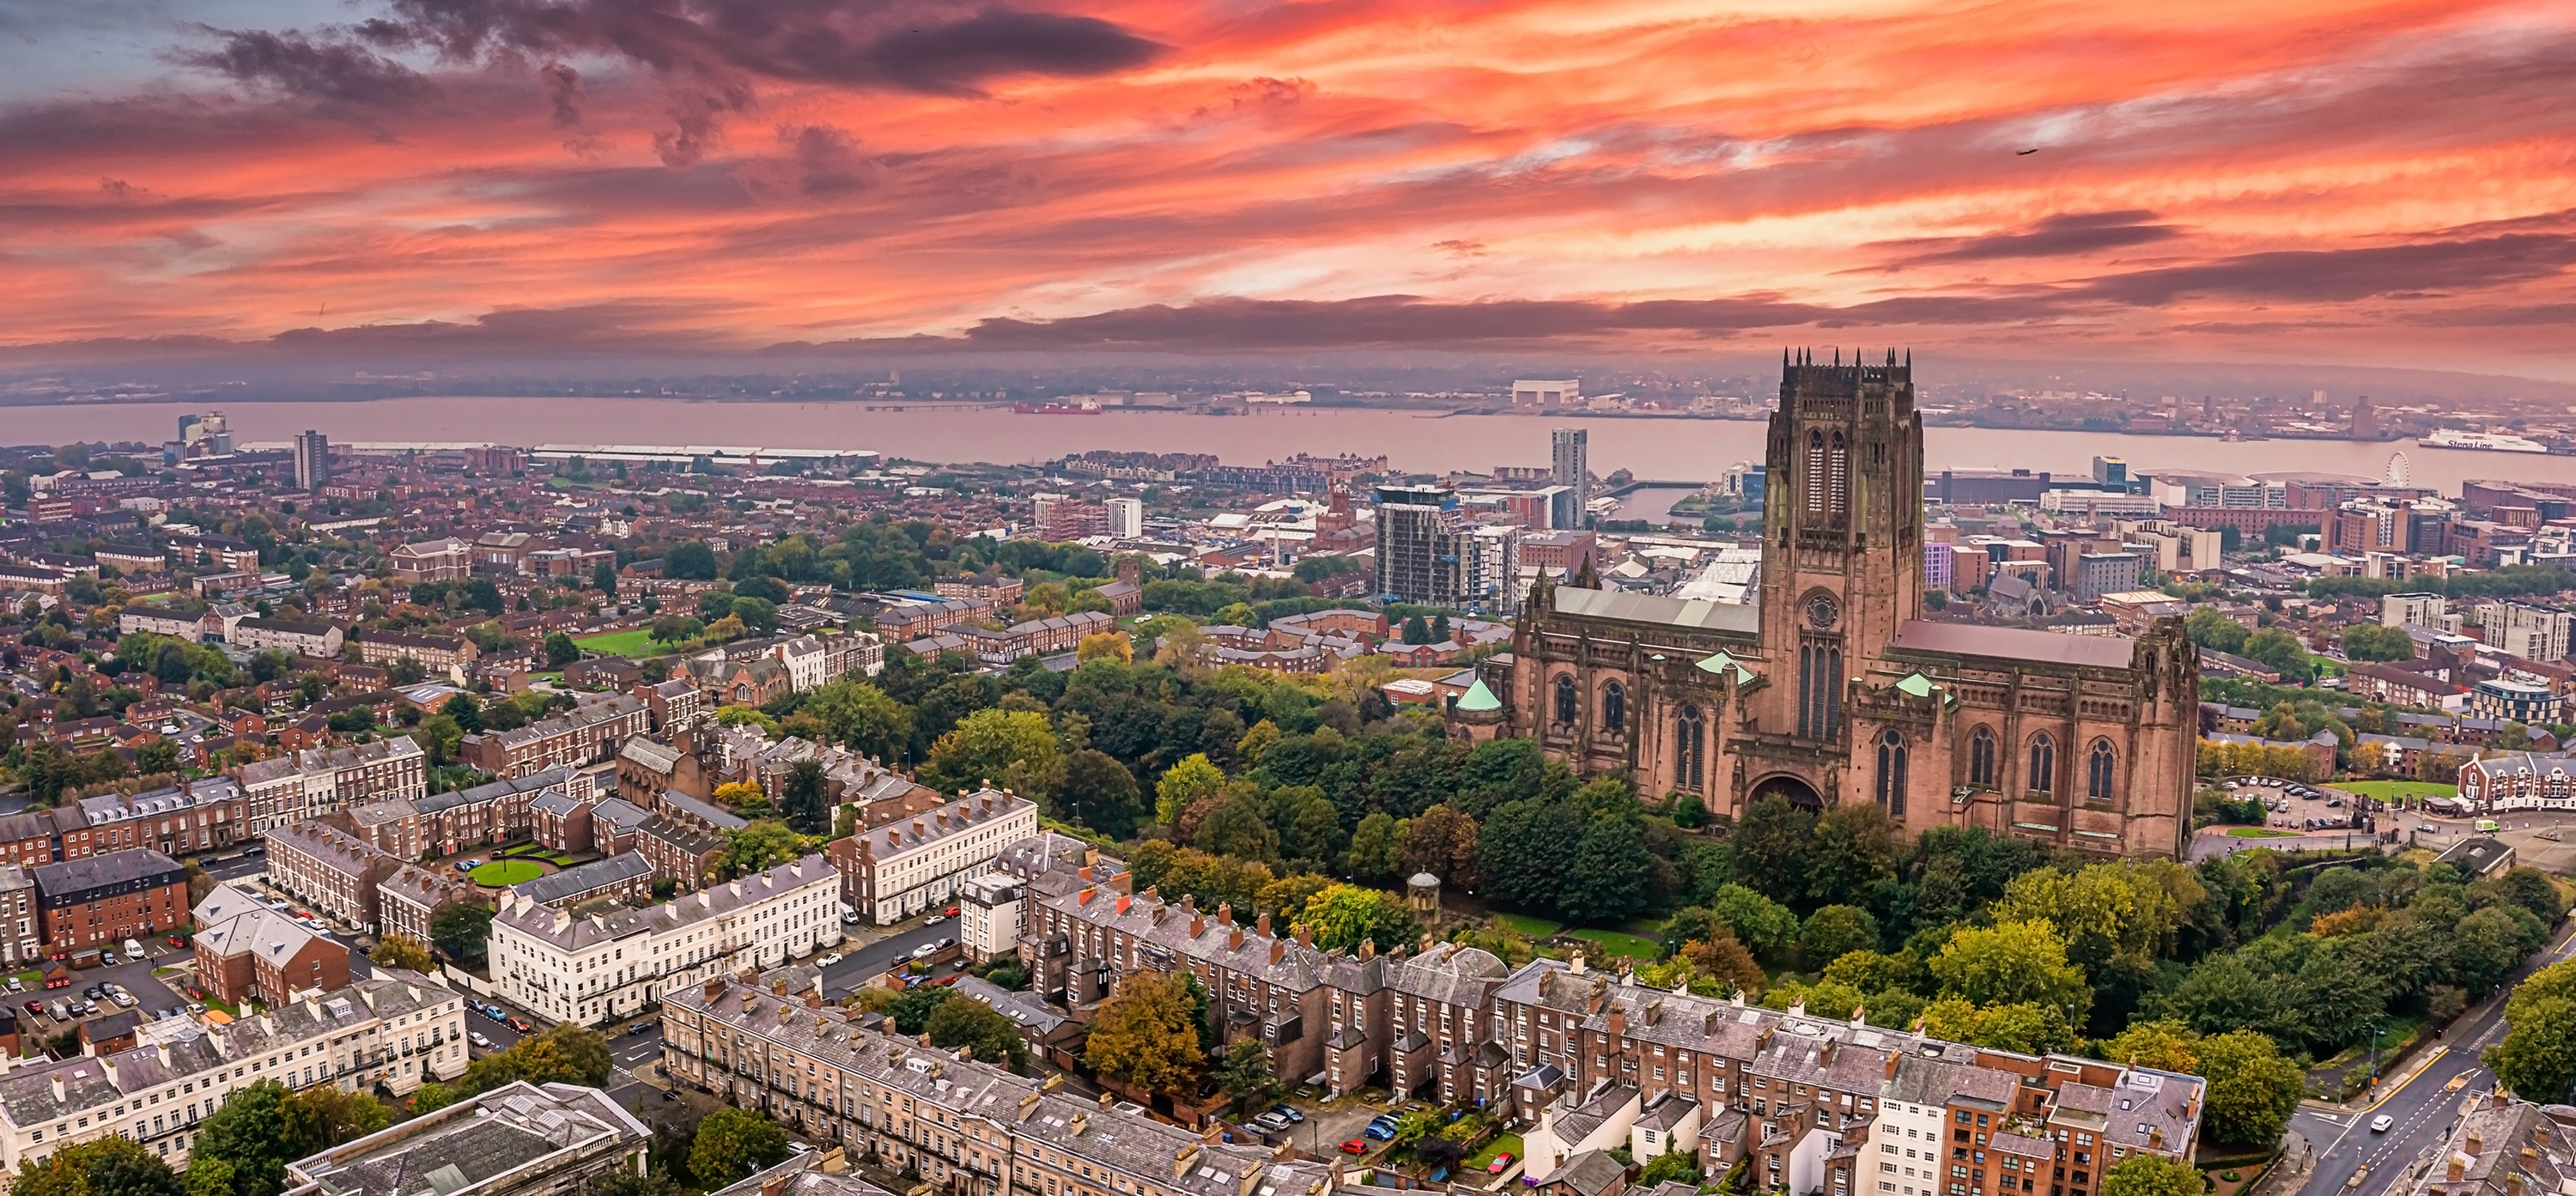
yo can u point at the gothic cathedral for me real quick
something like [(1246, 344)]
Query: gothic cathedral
[(1830, 686)]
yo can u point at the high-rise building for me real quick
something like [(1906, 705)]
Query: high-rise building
[(208, 430), (1126, 517), (1421, 545), (312, 460), (1570, 466), (2365, 421), (1493, 568)]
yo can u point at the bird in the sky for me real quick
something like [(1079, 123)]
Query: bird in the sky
[(2026, 153)]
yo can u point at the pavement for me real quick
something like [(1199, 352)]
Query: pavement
[(871, 956), (2423, 1103)]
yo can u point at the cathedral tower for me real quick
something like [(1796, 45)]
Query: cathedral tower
[(1842, 535)]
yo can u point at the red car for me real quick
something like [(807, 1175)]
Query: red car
[(952, 911), (35, 1007), (1500, 1161), (520, 1024), (1354, 1146)]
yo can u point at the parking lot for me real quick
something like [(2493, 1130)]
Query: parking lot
[(151, 996)]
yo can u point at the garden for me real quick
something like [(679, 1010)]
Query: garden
[(502, 873), (637, 642)]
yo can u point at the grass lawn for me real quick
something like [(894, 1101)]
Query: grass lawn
[(2392, 790), (619, 643), (1502, 1144), (1617, 942), (2257, 832), (1537, 928), (507, 872)]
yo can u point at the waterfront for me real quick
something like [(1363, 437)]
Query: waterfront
[(1663, 449)]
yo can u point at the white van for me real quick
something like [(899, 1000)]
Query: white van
[(133, 950)]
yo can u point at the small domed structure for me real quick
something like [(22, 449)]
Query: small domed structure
[(1422, 896)]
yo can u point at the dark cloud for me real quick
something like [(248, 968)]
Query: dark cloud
[(926, 46), (563, 90), (2342, 275), (2056, 236), (334, 70)]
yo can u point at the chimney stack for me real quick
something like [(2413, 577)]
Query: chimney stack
[(1262, 924), (1368, 948)]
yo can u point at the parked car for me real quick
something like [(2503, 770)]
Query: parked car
[(196, 1007), (133, 948), (925, 951), (1379, 1132), (1501, 1163), (934, 919), (1290, 1112), (35, 1009), (952, 911), (521, 1025), (669, 1095), (640, 1028), (1271, 1121), (16, 985), (123, 1000), (476, 1037), (1354, 1146), (256, 849), (828, 960)]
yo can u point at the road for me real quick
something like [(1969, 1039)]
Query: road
[(872, 959), (2423, 1106)]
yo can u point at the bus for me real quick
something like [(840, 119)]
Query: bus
[(2489, 826)]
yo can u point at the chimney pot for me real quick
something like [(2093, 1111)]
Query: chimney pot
[(1262, 924), (1233, 938)]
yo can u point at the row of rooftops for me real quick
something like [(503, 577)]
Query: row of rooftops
[(383, 751), (179, 1047), (525, 914)]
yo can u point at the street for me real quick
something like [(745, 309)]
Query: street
[(843, 978), (2424, 1105)]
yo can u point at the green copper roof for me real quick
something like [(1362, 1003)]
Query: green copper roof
[(1916, 685), (1478, 697), (1719, 663)]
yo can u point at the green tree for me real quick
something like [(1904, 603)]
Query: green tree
[(396, 950), (247, 1133), (2151, 1175), (2537, 1056), (1100, 793), (464, 711), (2283, 653), (2166, 1045), (763, 845), (110, 1166), (1183, 784), (1143, 1036), (965, 1022), (2010, 963), (209, 1176), (733, 1143), (1671, 1166), (1835, 931), (2252, 1089), (1342, 915), (1014, 749), (560, 650), (462, 930), (1759, 922), (1851, 848), (2370, 641), (1247, 1076), (862, 717), (802, 797), (432, 1096), (1608, 880), (318, 1118), (1377, 846), (1770, 844), (566, 1053), (690, 560), (2210, 627)]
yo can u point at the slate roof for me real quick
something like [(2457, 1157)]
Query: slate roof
[(472, 1141), (587, 878), (67, 880)]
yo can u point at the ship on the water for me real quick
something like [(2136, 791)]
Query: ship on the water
[(2493, 442), (1057, 408)]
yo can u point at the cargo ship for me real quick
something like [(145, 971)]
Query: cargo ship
[(1057, 408), (2493, 442)]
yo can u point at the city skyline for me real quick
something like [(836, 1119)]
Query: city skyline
[(2368, 185)]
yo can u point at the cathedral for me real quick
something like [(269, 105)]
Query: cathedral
[(1829, 686)]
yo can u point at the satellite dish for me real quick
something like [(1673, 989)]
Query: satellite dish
[(2400, 471)]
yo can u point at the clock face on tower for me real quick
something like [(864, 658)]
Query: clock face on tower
[(1823, 611)]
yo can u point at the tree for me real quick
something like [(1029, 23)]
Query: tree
[(110, 1166), (1247, 1076), (1100, 793), (432, 1096), (2537, 1056), (1377, 846), (2370, 641), (1771, 846), (802, 798), (965, 1022), (2283, 652), (1608, 880), (1723, 959), (1675, 1165), (560, 650), (862, 718), (1835, 931), (478, 593), (763, 845), (690, 560), (2151, 1175), (247, 1134), (566, 1053), (1106, 645), (318, 1118), (1183, 784), (403, 951), (1759, 922), (1851, 847), (2010, 963), (1009, 748), (2165, 1045), (406, 669), (2210, 627), (462, 930), (2252, 1089), (1342, 915), (1142, 1036), (733, 1143)]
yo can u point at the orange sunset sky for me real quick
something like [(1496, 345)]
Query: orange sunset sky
[(2383, 183)]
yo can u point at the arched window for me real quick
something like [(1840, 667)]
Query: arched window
[(1690, 749), (1567, 705), (2097, 771), (1981, 758), (1815, 479), (1840, 476), (2043, 764), (1614, 708), (1891, 774)]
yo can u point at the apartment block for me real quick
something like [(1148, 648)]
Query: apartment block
[(184, 819), (300, 785), (2530, 632), (396, 1030), (588, 734), (332, 871), (890, 872), (246, 949), (599, 967), (293, 637), (440, 655), (108, 898)]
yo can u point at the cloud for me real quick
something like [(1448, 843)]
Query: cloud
[(2342, 275), (2057, 236), (563, 90), (333, 70)]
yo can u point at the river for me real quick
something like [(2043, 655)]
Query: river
[(1694, 450)]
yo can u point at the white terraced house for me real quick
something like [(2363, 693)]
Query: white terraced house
[(598, 967), (396, 1029)]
